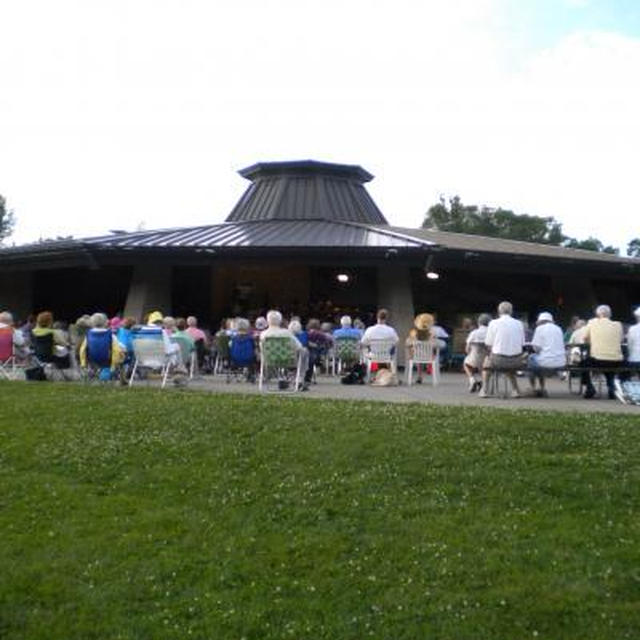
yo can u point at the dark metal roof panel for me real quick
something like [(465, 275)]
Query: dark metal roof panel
[(270, 234)]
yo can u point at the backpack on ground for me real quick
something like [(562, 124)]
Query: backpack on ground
[(356, 375)]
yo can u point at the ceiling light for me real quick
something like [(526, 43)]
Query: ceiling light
[(432, 275), (342, 277)]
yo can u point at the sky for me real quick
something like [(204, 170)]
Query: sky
[(134, 114)]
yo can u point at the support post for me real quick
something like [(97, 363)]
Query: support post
[(396, 295), (150, 290)]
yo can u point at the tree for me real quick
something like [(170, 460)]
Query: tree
[(590, 244), (7, 220), (633, 248), (498, 223)]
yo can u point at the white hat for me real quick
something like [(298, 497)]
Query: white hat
[(545, 316), (637, 312)]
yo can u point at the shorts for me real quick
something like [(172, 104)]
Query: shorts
[(497, 361)]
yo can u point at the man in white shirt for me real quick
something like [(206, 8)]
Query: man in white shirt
[(505, 339), (549, 352), (381, 330), (633, 343)]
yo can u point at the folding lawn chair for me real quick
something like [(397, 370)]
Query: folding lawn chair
[(346, 353), (149, 353), (99, 352), (278, 357)]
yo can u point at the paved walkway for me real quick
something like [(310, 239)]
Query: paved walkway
[(452, 390)]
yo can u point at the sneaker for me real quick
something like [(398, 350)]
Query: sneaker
[(472, 385), (483, 394)]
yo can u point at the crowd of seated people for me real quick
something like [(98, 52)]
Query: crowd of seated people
[(502, 344)]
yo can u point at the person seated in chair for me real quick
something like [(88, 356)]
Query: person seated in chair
[(505, 342), (347, 330), (242, 349), (19, 343), (100, 327), (604, 337), (381, 330), (319, 342), (549, 352), (633, 344), (276, 330), (422, 331), (43, 329), (476, 351)]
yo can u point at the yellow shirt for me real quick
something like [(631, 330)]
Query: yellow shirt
[(605, 337)]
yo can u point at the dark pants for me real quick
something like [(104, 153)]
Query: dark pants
[(600, 364)]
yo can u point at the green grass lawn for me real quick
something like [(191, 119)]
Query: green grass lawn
[(148, 514)]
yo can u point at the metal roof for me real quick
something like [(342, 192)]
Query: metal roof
[(485, 244), (306, 190)]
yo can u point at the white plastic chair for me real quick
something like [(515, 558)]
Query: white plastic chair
[(187, 353), (149, 353), (423, 352), (380, 352), (279, 354)]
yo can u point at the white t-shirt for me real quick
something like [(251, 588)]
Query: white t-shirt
[(477, 335), (505, 336), (549, 341), (380, 332), (633, 343)]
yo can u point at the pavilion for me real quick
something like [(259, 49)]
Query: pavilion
[(306, 237)]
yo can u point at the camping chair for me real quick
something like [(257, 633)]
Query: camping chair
[(7, 355), (346, 353), (278, 355), (380, 352), (98, 353), (423, 352), (242, 357), (187, 353), (149, 353), (44, 354), (222, 340)]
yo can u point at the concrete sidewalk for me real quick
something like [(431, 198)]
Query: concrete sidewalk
[(452, 390)]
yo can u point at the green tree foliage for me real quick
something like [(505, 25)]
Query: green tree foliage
[(503, 223), (633, 248), (498, 223), (590, 244), (7, 219)]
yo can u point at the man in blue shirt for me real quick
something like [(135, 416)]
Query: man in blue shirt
[(346, 330)]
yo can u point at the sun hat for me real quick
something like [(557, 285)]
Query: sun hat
[(545, 316), (155, 316), (423, 321)]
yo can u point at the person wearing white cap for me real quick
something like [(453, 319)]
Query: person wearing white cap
[(549, 352), (633, 343)]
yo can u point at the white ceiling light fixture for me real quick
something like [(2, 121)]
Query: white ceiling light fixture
[(343, 277)]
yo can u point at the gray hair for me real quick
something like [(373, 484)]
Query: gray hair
[(242, 324), (169, 322), (274, 318), (295, 326), (345, 321), (6, 317), (484, 319), (192, 321), (603, 311), (505, 308), (99, 320)]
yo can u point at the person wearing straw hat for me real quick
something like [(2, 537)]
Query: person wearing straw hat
[(422, 331), (549, 352)]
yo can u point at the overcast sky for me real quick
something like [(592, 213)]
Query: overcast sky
[(121, 113)]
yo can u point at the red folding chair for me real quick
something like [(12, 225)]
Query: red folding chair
[(7, 355)]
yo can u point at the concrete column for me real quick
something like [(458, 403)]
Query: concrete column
[(150, 290), (396, 295), (16, 293)]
